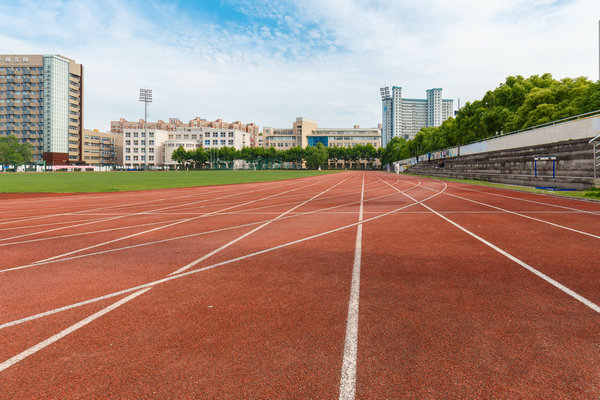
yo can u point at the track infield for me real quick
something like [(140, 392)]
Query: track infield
[(352, 285)]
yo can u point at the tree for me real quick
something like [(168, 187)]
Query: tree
[(180, 156), (316, 156), (295, 155), (199, 157), (369, 153), (228, 154), (335, 153), (14, 153)]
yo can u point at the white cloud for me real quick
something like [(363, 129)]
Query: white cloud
[(323, 59)]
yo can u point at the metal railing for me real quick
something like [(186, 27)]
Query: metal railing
[(596, 143)]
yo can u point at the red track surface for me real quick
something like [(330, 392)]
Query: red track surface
[(465, 292)]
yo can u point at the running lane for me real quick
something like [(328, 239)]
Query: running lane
[(442, 315)]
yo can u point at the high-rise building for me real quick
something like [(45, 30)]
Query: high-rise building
[(403, 117), (41, 102)]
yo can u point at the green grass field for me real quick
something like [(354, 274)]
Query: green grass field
[(78, 182)]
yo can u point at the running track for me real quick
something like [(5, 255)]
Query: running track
[(351, 285)]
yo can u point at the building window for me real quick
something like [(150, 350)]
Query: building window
[(216, 142), (207, 142)]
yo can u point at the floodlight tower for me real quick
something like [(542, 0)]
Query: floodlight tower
[(146, 97)]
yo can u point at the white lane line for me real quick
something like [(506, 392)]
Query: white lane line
[(34, 349), (545, 277), (146, 202), (87, 233), (528, 200), (195, 271), (212, 253), (243, 212), (13, 228), (122, 216), (39, 263), (525, 216), (61, 256), (87, 210), (528, 267), (131, 226), (348, 374)]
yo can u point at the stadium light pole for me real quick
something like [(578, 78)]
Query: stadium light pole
[(146, 97)]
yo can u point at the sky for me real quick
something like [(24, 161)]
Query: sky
[(269, 62)]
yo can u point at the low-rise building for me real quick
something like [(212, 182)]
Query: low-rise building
[(141, 152), (345, 137), (285, 138), (155, 151), (305, 132), (208, 138), (101, 148)]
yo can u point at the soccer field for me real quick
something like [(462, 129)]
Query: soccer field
[(78, 182)]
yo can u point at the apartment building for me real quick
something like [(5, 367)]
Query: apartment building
[(41, 102), (175, 123), (305, 132), (101, 148), (405, 117)]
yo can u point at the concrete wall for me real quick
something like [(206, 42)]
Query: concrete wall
[(573, 166), (572, 130)]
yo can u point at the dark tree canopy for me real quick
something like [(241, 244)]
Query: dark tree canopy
[(14, 153)]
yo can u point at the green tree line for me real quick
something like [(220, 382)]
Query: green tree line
[(314, 156), (14, 153), (518, 103)]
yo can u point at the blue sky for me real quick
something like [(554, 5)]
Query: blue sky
[(271, 61)]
